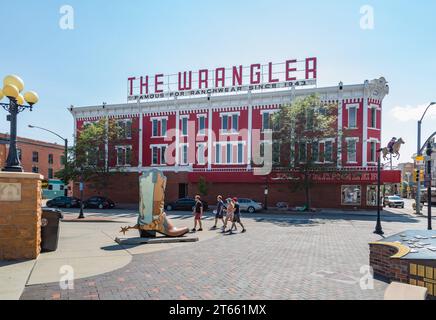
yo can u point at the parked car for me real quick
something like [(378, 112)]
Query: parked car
[(249, 205), (99, 202), (393, 202), (184, 204), (63, 202)]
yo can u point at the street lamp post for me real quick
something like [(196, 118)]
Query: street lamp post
[(65, 141), (429, 152), (378, 228), (12, 86), (81, 215), (419, 153)]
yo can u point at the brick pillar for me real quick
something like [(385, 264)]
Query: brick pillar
[(20, 215)]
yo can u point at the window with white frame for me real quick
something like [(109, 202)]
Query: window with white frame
[(230, 122), (155, 155), (373, 123), (126, 128), (158, 156), (315, 151), (184, 154), (328, 151), (352, 150), (268, 121), (201, 151), (240, 153), (163, 159), (184, 125), (201, 124), (373, 151), (352, 117), (124, 155), (159, 127), (217, 153), (229, 152)]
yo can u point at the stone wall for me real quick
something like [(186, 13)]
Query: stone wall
[(20, 215)]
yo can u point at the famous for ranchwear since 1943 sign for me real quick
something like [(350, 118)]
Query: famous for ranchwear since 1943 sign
[(255, 77)]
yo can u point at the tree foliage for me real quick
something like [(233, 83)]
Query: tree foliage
[(87, 159), (301, 125)]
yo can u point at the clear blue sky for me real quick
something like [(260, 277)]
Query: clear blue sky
[(115, 39)]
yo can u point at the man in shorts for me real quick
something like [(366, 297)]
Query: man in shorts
[(198, 213)]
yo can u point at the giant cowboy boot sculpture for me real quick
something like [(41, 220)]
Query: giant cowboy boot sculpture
[(152, 218)]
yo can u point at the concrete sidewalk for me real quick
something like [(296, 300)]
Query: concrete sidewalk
[(87, 248)]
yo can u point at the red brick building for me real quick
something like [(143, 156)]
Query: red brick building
[(35, 156), (214, 137)]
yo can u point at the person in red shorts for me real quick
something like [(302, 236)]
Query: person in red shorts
[(198, 213)]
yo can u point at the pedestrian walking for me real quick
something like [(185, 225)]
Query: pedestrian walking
[(236, 216), (229, 214), (220, 207), (198, 213)]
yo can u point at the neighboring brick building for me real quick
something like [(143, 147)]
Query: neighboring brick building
[(36, 156)]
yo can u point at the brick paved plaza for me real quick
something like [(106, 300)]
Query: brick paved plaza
[(280, 257)]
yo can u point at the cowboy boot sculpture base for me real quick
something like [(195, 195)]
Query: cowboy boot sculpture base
[(152, 219), (161, 225)]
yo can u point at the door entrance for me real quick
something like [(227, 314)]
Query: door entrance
[(183, 190)]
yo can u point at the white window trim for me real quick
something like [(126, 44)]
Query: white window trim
[(349, 106), (181, 146), (371, 141), (356, 140), (125, 122), (230, 113), (181, 125), (204, 133), (234, 155), (159, 146), (159, 119), (270, 112), (373, 107), (124, 147), (353, 105), (324, 141), (229, 131), (204, 144)]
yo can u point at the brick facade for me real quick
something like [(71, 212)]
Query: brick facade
[(20, 220), (216, 137), (27, 147)]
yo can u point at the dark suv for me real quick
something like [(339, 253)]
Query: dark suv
[(184, 204), (99, 202)]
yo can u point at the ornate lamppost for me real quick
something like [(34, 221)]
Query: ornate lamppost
[(378, 228), (12, 88)]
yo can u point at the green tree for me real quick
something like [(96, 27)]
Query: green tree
[(87, 159), (300, 126), (203, 187)]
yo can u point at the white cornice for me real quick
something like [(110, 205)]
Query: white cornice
[(378, 89)]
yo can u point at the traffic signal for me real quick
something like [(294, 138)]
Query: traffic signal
[(421, 175)]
